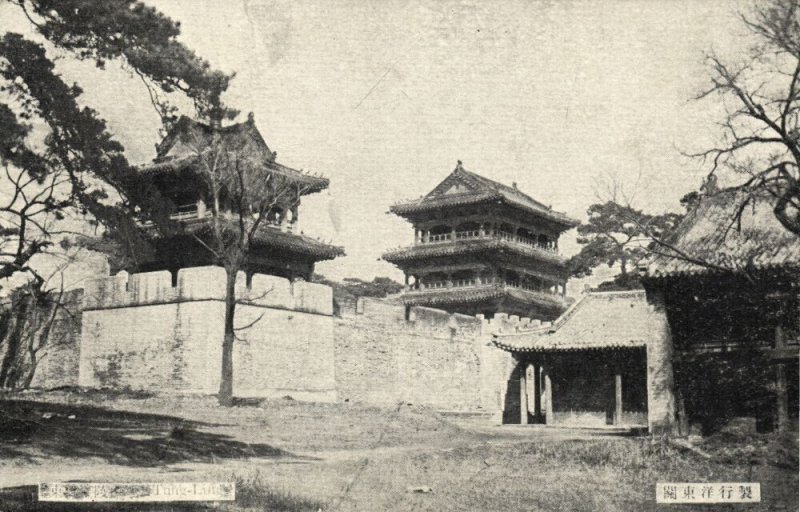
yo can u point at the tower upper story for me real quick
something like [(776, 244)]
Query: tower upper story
[(481, 247), (180, 172)]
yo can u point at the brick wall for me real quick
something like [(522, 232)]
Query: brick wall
[(432, 358)]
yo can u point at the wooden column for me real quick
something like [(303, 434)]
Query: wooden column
[(537, 392), (617, 399), (548, 398), (523, 393), (782, 397)]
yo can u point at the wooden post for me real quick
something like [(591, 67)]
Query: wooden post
[(782, 397), (537, 392), (548, 398), (617, 399), (523, 393)]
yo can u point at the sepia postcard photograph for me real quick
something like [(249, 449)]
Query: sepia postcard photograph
[(399, 255)]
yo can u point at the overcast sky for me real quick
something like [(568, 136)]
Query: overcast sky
[(383, 97)]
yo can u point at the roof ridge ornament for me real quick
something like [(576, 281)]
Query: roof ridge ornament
[(459, 165)]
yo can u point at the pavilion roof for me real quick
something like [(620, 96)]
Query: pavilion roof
[(273, 238), (465, 246), (464, 187), (298, 243), (599, 320), (180, 148), (711, 233)]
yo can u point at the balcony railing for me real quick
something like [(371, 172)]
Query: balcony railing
[(483, 282), (188, 211), (499, 235), (460, 235), (191, 212)]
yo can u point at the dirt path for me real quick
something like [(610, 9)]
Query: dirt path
[(95, 470)]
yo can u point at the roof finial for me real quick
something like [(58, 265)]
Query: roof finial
[(251, 117), (458, 166)]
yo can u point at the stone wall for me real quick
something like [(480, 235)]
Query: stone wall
[(429, 357), (140, 332)]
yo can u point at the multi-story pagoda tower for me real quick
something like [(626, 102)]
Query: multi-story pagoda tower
[(481, 247), (280, 247)]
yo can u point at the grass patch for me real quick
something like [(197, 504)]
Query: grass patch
[(253, 491)]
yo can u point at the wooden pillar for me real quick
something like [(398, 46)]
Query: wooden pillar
[(523, 393), (782, 397), (548, 398), (405, 287), (537, 391), (618, 399)]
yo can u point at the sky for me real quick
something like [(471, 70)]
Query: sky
[(383, 97)]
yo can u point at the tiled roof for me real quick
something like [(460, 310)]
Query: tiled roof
[(598, 320), (480, 190), (470, 245), (709, 233), (277, 239), (175, 153), (298, 243), (482, 293)]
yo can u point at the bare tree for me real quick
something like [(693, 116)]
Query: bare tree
[(31, 206), (36, 318), (245, 194), (760, 139)]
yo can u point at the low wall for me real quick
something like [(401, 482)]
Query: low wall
[(429, 358), (140, 332)]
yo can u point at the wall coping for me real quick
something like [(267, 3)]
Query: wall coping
[(202, 284)]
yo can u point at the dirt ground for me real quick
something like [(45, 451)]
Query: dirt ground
[(288, 455)]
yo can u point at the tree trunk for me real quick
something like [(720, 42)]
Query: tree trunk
[(225, 395), (13, 338)]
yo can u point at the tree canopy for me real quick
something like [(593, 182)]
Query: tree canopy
[(140, 37), (617, 234)]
